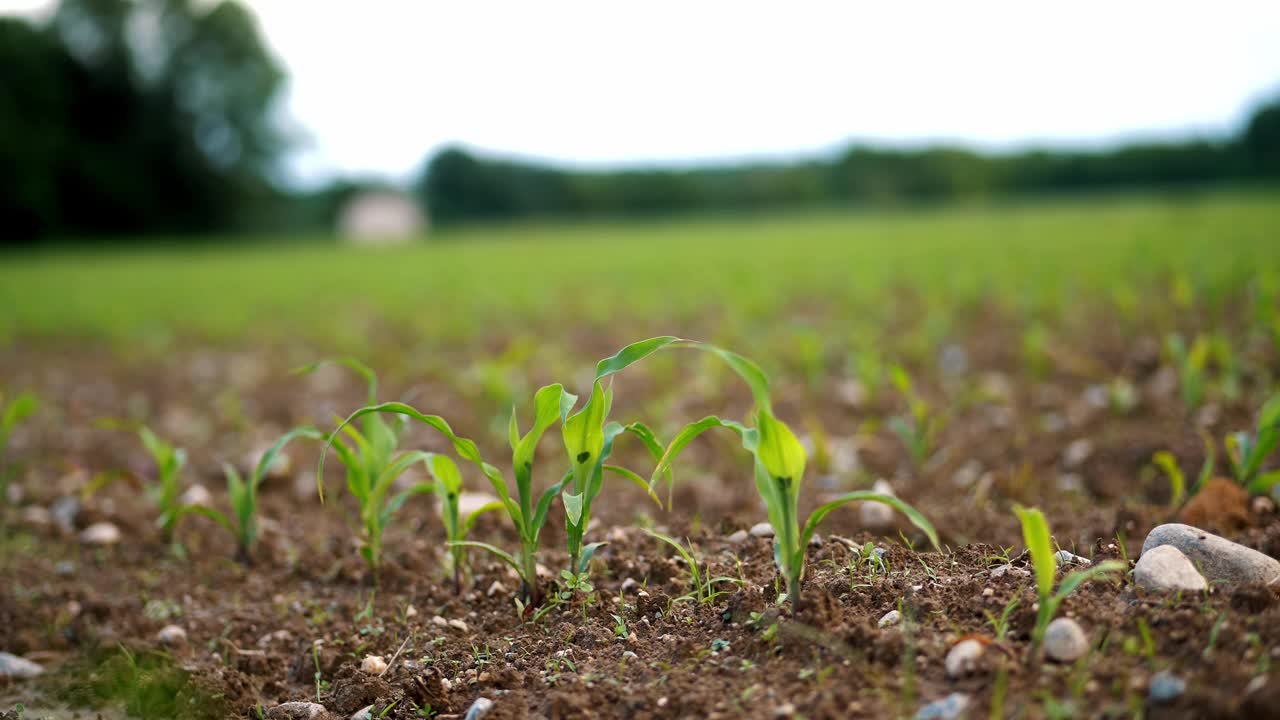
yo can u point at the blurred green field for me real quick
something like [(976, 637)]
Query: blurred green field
[(830, 270)]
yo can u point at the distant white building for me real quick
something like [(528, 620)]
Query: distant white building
[(381, 217)]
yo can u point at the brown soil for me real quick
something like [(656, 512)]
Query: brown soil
[(296, 624)]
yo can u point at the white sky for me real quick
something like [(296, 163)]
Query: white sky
[(379, 84)]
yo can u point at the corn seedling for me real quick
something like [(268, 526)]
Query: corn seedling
[(243, 495), (12, 414), (702, 588), (1178, 491), (449, 487), (919, 427), (165, 491), (1190, 364), (1035, 532), (373, 464), (1248, 452), (779, 469)]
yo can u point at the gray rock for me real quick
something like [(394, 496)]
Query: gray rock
[(1077, 453), (1065, 641), (297, 711), (891, 618), (479, 709), (1166, 687), (629, 655), (364, 713), (815, 541), (65, 510), (1220, 560), (738, 537), (1165, 569), (102, 533), (762, 530), (963, 658), (12, 666), (198, 495), (873, 514), (948, 708), (1010, 570)]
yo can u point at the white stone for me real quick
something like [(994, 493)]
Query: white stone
[(101, 533), (1065, 641), (373, 665), (874, 514), (469, 502), (1165, 569), (197, 495), (458, 625), (495, 588), (439, 621), (762, 530), (1220, 560), (963, 658), (172, 635), (1077, 453), (738, 537), (891, 618), (297, 711), (1066, 558), (364, 713), (12, 666), (479, 709)]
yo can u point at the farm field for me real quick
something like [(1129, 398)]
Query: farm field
[(973, 362)]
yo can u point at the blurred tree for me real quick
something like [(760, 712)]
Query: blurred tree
[(1261, 141)]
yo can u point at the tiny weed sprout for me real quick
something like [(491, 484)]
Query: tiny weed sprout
[(1248, 453), (243, 495), (701, 587), (449, 487), (165, 491), (373, 465), (920, 427), (779, 469), (1035, 532)]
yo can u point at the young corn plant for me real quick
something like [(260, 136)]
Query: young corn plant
[(779, 464), (920, 427), (12, 414), (166, 490), (242, 523), (1190, 364), (527, 513), (1035, 533), (1178, 491), (448, 484), (373, 463), (1248, 452)]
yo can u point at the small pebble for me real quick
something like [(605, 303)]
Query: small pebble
[(12, 666), (785, 710), (1010, 570), (1065, 558), (1065, 641), (495, 589), (479, 709), (1263, 505), (1166, 687), (102, 533), (459, 625), (629, 655), (738, 537), (891, 618), (630, 585), (172, 635), (963, 658), (762, 530), (815, 541), (439, 621), (364, 713), (197, 495), (948, 708), (874, 514), (35, 516), (373, 665), (1165, 569), (65, 510), (988, 592), (1255, 685), (1077, 453)]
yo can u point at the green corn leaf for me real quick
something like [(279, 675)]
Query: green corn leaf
[(750, 373), (499, 552), (583, 434), (513, 430), (780, 451), (749, 437), (238, 493), (398, 500), (1206, 470), (393, 471), (1035, 533), (588, 552), (544, 505), (364, 371), (1264, 483), (915, 516), (635, 480), (20, 408), (210, 513), (1079, 577), (633, 353), (1177, 482), (269, 457), (465, 448), (572, 507), (1269, 416), (445, 471), (679, 547)]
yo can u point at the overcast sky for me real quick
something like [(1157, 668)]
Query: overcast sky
[(379, 84)]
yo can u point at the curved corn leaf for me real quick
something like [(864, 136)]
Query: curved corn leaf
[(364, 371), (544, 506), (398, 500), (632, 354), (1079, 577), (572, 507), (635, 479), (207, 512), (588, 552), (748, 436), (269, 457), (915, 516), (445, 471), (499, 552), (470, 522), (1177, 481)]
